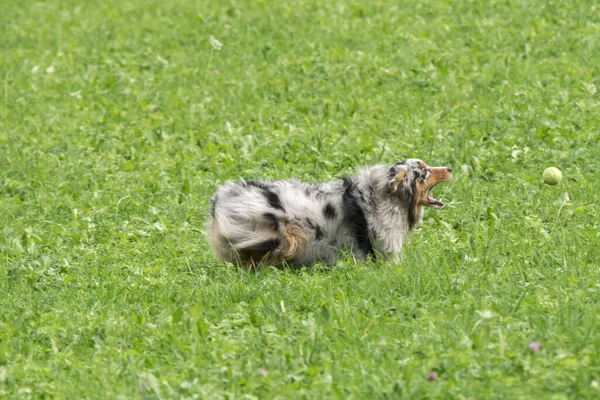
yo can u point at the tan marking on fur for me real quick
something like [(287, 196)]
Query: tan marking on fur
[(422, 164), (438, 175), (421, 193), (294, 240), (398, 180)]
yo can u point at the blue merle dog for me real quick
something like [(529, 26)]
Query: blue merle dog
[(297, 223)]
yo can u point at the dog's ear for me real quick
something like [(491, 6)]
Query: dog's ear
[(398, 178)]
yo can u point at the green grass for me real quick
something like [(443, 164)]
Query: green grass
[(115, 129)]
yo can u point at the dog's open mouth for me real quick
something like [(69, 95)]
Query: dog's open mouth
[(438, 175), (431, 202)]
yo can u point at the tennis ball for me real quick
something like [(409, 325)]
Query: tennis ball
[(552, 176)]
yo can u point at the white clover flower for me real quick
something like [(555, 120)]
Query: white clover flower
[(216, 45), (485, 314), (590, 88)]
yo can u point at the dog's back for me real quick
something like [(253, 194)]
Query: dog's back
[(277, 221)]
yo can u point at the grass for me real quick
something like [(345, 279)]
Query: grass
[(119, 119)]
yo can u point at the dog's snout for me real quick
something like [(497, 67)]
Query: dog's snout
[(449, 169)]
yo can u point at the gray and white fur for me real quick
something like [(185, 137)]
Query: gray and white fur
[(370, 213)]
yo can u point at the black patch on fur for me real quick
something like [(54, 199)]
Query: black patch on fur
[(213, 205), (258, 184), (310, 223), (266, 246), (272, 197), (417, 175), (354, 218), (412, 218), (319, 233), (272, 220), (329, 211), (394, 169)]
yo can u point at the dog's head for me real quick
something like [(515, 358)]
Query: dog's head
[(412, 180)]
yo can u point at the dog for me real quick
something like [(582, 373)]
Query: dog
[(299, 224)]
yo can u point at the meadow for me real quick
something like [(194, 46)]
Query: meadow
[(119, 119)]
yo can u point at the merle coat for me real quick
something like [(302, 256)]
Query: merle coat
[(370, 213)]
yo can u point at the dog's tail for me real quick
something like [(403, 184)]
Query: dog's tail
[(249, 242), (294, 240)]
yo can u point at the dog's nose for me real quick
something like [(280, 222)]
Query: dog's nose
[(449, 169)]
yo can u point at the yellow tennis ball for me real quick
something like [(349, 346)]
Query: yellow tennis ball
[(552, 176)]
